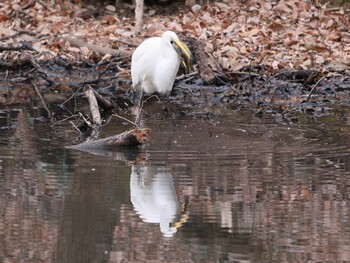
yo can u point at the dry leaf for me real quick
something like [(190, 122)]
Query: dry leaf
[(57, 27), (334, 37), (111, 8), (275, 64), (317, 48), (251, 32), (3, 18), (196, 8), (275, 26)]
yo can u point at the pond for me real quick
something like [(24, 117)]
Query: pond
[(229, 187)]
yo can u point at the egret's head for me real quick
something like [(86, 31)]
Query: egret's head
[(181, 49)]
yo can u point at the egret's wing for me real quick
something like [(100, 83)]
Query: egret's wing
[(142, 62)]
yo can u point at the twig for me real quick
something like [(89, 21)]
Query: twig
[(85, 120), (150, 97), (21, 32), (29, 5), (75, 127), (65, 119), (73, 95), (125, 42), (314, 87), (42, 100), (268, 80), (187, 76), (216, 76), (125, 119), (246, 73), (337, 9), (108, 66)]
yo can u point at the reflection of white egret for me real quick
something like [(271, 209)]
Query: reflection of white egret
[(154, 198)]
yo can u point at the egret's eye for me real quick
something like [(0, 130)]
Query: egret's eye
[(171, 42)]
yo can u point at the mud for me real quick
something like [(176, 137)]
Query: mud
[(284, 93)]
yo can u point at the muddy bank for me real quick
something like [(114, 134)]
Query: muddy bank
[(54, 83)]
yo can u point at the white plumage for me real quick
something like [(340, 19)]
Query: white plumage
[(156, 61)]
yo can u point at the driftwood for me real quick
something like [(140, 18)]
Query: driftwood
[(129, 138), (209, 69)]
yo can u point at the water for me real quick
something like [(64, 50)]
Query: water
[(226, 188)]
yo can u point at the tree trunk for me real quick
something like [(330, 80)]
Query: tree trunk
[(139, 16)]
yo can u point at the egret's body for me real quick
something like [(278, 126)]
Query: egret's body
[(156, 61)]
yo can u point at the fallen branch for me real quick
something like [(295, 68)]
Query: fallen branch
[(186, 76), (132, 137), (102, 102), (23, 45), (18, 33), (95, 48), (125, 42), (95, 112), (208, 68)]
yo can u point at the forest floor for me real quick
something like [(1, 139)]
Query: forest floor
[(276, 56)]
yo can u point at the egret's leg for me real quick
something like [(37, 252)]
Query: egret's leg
[(139, 109)]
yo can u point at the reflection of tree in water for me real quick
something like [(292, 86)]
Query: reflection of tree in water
[(154, 198), (31, 193)]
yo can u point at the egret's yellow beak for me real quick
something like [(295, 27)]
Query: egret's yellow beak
[(183, 216), (184, 53)]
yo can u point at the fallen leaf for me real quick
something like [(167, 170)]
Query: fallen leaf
[(57, 27), (3, 18), (111, 8), (275, 64), (275, 26), (196, 8), (317, 48), (334, 37), (251, 32)]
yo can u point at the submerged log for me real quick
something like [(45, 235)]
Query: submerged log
[(132, 137)]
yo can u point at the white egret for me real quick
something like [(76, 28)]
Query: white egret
[(155, 63)]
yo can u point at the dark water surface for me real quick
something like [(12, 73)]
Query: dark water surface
[(229, 188)]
